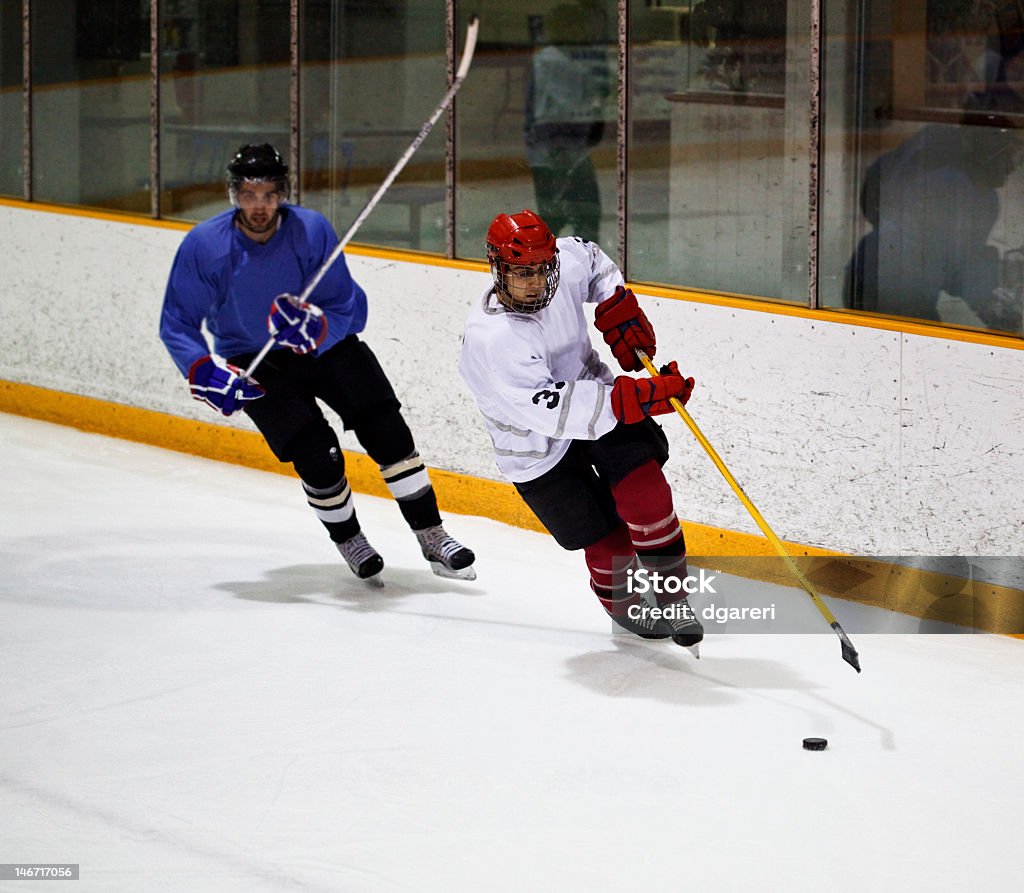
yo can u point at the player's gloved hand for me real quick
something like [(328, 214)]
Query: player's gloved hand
[(625, 328), (221, 385), (634, 399), (1004, 311), (296, 324)]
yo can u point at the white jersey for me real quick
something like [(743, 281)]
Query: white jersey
[(536, 377)]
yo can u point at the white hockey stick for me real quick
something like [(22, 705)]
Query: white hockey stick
[(460, 76)]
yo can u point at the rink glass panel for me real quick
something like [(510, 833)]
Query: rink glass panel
[(920, 189), (11, 164), (717, 142), (718, 183), (224, 82), (536, 122), (90, 104), (371, 75)]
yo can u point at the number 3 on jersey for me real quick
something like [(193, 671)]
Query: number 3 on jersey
[(552, 397)]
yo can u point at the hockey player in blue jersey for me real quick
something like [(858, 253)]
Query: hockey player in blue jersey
[(236, 274)]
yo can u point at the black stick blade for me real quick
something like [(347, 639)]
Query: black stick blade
[(849, 652)]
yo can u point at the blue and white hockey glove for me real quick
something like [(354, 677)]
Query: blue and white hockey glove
[(221, 385), (296, 324)]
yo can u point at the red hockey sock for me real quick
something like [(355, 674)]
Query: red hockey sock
[(607, 561), (644, 501)]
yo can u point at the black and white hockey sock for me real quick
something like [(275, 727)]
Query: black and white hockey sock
[(333, 506), (410, 485)]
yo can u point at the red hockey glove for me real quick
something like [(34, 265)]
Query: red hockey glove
[(626, 328), (634, 399)]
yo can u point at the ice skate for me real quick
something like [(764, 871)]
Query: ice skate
[(687, 630), (362, 559), (640, 621), (447, 557)]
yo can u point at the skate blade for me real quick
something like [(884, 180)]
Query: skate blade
[(466, 573), (376, 581), (694, 650)]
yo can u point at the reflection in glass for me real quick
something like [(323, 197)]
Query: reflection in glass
[(224, 82), (568, 85), (90, 104), (921, 168), (535, 122), (372, 73), (932, 203), (11, 170)]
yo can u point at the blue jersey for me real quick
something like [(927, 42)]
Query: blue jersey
[(224, 279)]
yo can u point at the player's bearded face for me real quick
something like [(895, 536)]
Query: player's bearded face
[(527, 284), (258, 206)]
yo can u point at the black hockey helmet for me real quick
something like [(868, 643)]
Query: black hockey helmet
[(260, 163)]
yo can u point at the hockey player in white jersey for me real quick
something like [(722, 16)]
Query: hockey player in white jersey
[(578, 443)]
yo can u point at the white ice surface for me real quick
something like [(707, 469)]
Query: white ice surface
[(196, 695)]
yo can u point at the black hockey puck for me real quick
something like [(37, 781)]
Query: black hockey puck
[(815, 743)]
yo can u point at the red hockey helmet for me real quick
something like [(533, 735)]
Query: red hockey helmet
[(521, 247)]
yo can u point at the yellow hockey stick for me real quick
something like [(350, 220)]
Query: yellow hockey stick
[(849, 652)]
